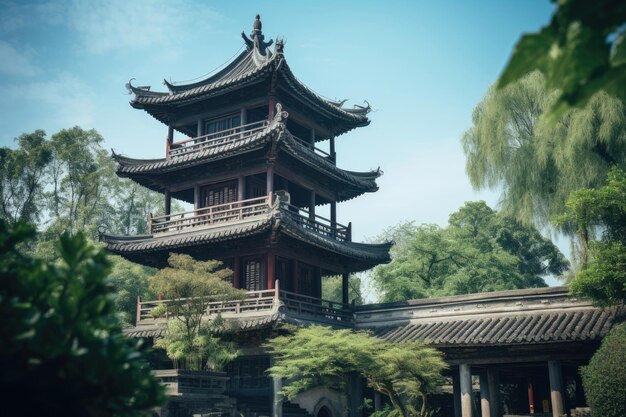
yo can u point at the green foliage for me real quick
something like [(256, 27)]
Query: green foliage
[(603, 211), (604, 379), (537, 164), (129, 281), (321, 356), (202, 351), (332, 289), (580, 52), (480, 250), (22, 172), (188, 287), (62, 347)]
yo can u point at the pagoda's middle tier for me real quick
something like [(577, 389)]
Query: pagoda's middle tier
[(248, 151)]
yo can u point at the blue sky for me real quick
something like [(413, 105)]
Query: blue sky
[(423, 66)]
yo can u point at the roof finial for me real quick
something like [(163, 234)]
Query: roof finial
[(257, 27), (257, 40)]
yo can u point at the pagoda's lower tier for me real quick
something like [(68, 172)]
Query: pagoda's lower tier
[(265, 228)]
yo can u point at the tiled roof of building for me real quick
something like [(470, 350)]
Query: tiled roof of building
[(352, 183), (257, 64), (520, 317)]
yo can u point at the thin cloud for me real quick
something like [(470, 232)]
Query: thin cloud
[(16, 62), (23, 15), (104, 25), (67, 100)]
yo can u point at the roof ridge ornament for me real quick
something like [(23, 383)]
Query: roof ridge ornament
[(256, 39)]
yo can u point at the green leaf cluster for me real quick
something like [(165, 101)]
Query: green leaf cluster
[(604, 379), (581, 51), (480, 250), (61, 345), (600, 213), (536, 165), (188, 287), (320, 356)]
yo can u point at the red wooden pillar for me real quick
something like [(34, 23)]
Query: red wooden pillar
[(270, 179), (272, 108), (271, 269), (531, 398), (169, 140)]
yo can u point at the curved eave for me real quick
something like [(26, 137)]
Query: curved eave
[(246, 71), (351, 183), (369, 255)]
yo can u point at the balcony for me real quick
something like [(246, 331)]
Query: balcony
[(259, 304), (212, 140), (242, 211)]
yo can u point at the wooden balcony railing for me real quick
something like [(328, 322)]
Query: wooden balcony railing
[(259, 303), (212, 216), (315, 149), (211, 140), (320, 225)]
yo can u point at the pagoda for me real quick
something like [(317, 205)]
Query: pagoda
[(252, 169)]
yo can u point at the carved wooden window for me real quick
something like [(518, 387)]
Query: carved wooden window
[(254, 273), (212, 195), (256, 187), (284, 273), (306, 284), (223, 123), (249, 372)]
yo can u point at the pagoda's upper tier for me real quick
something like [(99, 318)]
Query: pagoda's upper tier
[(255, 66)]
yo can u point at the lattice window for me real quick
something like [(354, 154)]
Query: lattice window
[(223, 193), (223, 123), (254, 274)]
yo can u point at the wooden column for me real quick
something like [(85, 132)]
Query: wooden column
[(332, 152), (196, 197), (295, 286), (556, 388), (168, 202), (356, 395), (531, 398), (312, 205), (345, 282), (237, 272), (243, 115), (456, 394), (272, 107), (241, 188), (277, 400), (271, 269), (169, 140), (270, 179), (333, 214), (312, 139), (378, 401), (485, 396), (200, 128), (494, 392), (465, 377)]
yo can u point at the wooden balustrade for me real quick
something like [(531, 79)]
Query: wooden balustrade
[(234, 212), (314, 148), (257, 303), (320, 225), (211, 140)]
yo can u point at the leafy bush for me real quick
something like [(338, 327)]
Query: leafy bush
[(604, 379), (62, 351)]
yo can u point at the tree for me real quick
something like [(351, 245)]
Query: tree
[(480, 250), (332, 289), (580, 52), (603, 266), (62, 348), (188, 287), (22, 173), (537, 164), (604, 379), (81, 174), (129, 281), (321, 356)]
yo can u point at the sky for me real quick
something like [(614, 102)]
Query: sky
[(422, 65)]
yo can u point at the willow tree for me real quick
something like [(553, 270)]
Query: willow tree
[(535, 163)]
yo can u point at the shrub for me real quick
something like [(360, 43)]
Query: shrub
[(604, 379)]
